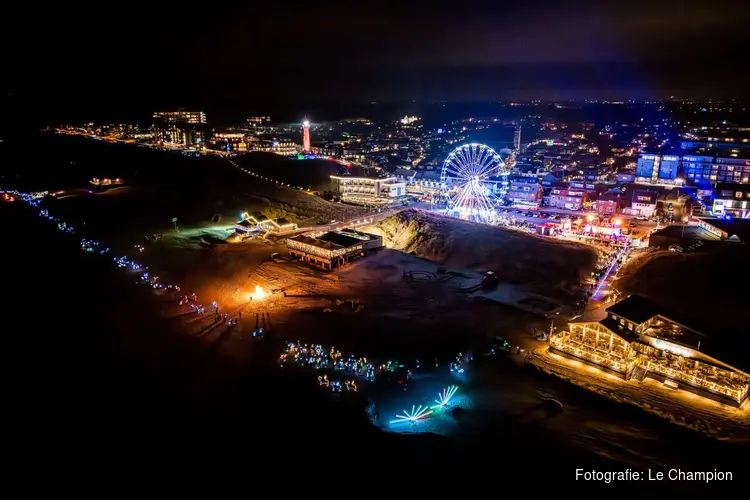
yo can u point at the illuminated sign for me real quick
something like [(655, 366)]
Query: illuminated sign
[(671, 158), (670, 347), (710, 229), (647, 157)]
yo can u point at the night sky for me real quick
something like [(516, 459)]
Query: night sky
[(123, 61)]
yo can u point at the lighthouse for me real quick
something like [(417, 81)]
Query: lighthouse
[(306, 136)]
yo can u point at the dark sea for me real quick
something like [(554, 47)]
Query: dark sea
[(93, 372)]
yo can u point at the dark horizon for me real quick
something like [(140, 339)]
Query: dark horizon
[(234, 112), (118, 65)]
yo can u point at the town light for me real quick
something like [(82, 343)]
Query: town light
[(590, 218), (617, 222), (306, 123)]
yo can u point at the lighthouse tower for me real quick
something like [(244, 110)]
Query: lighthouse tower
[(306, 135)]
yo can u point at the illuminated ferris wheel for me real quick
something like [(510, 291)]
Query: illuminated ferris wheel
[(474, 176)]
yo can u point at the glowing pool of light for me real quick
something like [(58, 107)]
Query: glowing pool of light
[(259, 293)]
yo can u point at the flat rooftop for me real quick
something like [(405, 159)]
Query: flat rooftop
[(334, 240), (634, 308), (358, 234), (316, 242), (674, 332), (686, 233), (340, 239), (362, 178)]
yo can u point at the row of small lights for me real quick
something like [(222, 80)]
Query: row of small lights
[(263, 177), (363, 221), (35, 200)]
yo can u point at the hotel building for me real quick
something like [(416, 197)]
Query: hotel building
[(696, 168), (368, 187)]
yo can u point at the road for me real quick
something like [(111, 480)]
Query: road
[(351, 223)]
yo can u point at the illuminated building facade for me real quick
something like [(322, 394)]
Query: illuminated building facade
[(655, 169), (384, 188), (608, 204), (281, 146), (106, 182), (524, 194), (408, 120), (637, 340), (306, 136), (332, 249), (259, 121), (643, 203), (181, 134), (180, 116), (698, 169), (716, 137), (228, 136), (230, 141), (732, 200), (710, 169), (258, 222), (568, 199)]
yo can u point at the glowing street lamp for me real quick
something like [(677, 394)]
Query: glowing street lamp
[(617, 222), (590, 218)]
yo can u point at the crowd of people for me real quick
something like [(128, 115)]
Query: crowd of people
[(608, 263), (318, 357)]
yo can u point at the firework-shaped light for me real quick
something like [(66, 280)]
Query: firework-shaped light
[(445, 396), (416, 414)]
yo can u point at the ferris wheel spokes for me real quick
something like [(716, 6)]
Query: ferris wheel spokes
[(466, 181)]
